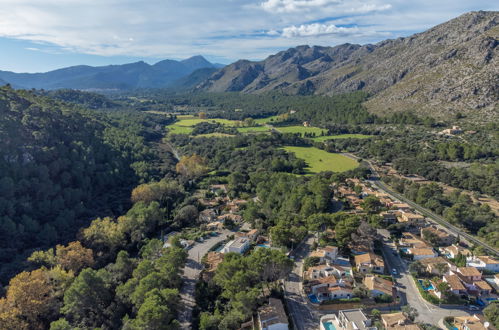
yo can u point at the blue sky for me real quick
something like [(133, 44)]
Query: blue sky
[(37, 36)]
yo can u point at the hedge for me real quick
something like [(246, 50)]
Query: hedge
[(428, 297)]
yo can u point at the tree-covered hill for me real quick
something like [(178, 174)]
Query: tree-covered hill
[(61, 165)]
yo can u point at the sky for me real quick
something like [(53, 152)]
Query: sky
[(43, 35)]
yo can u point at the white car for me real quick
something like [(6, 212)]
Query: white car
[(394, 271)]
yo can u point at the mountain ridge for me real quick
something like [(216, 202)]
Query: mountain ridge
[(452, 66), (125, 76)]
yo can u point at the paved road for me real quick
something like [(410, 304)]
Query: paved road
[(408, 291), (303, 316), (192, 270)]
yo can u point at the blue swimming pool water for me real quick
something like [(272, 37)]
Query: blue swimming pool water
[(328, 325), (264, 246), (490, 299), (430, 287), (313, 298), (406, 250)]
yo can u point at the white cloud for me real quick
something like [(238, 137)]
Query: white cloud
[(221, 28), (316, 30)]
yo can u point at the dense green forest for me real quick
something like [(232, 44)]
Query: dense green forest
[(61, 165)]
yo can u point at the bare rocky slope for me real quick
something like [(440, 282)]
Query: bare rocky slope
[(450, 68)]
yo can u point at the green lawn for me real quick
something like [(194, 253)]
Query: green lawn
[(300, 129), (319, 160), (214, 135), (174, 129), (267, 120), (341, 136)]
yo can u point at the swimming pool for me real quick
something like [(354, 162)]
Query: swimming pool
[(405, 250), (328, 325), (313, 299), (263, 246), (429, 287)]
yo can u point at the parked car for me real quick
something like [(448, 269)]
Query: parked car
[(474, 308), (394, 271)]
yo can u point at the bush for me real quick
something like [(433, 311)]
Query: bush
[(448, 322), (340, 301), (384, 298)]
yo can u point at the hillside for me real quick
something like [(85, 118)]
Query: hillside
[(451, 68), (59, 166), (126, 76)]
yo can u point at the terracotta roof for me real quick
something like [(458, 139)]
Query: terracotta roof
[(488, 260), (339, 288), (469, 322), (330, 248), (432, 261), (483, 285), (422, 251), (318, 268), (379, 284), (327, 280), (469, 271), (393, 319), (369, 258), (454, 282), (318, 254)]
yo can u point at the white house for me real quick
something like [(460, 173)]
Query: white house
[(483, 262), (348, 319), (272, 316), (238, 245), (422, 253)]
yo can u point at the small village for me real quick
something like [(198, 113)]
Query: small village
[(348, 287)]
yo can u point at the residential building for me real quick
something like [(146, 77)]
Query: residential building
[(217, 225), (369, 262), (236, 218), (431, 265), (273, 316), (473, 322), (410, 217), (325, 253), (483, 262), (361, 247), (422, 253), (496, 279), (453, 251), (238, 245), (456, 286), (389, 217), (411, 240), (468, 274), (319, 271), (397, 321), (483, 288), (401, 206), (348, 319), (444, 238), (330, 288), (378, 286)]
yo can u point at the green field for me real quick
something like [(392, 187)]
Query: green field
[(213, 135), (254, 129), (341, 136), (319, 160), (263, 121), (300, 129)]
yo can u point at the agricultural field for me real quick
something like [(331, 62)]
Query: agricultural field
[(341, 136), (319, 160), (301, 129), (254, 129)]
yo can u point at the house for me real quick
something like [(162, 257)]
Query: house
[(410, 217), (215, 188), (236, 218), (361, 247), (422, 253), (431, 265), (378, 286), (339, 292), (401, 206), (483, 262), (483, 288), (369, 262), (443, 237), (320, 271), (217, 225), (496, 279), (207, 215), (469, 274), (473, 322), (330, 288), (388, 217), (238, 245), (327, 252), (456, 286), (397, 321), (453, 250), (348, 319), (272, 316)]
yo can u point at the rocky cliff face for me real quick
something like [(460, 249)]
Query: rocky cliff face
[(453, 67)]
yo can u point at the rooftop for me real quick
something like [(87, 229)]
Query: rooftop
[(488, 260), (454, 282), (273, 312), (393, 319), (422, 251), (379, 284), (469, 271), (355, 316)]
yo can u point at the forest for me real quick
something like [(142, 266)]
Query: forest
[(61, 165)]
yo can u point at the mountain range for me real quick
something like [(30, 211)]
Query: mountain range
[(127, 76), (452, 67)]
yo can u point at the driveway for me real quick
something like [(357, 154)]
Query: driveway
[(192, 270), (408, 291)]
